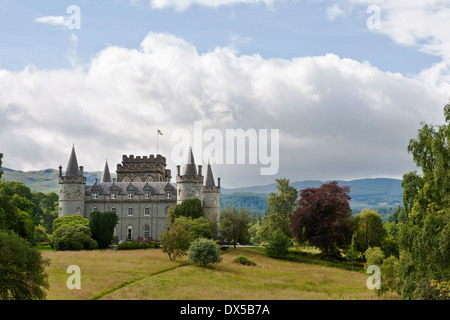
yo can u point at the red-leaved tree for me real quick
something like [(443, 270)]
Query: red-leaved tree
[(323, 218)]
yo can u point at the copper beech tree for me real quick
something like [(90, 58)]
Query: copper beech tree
[(323, 218)]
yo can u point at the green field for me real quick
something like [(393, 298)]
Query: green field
[(149, 274)]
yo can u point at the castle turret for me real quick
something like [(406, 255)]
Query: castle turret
[(72, 188), (106, 177), (211, 195), (190, 181)]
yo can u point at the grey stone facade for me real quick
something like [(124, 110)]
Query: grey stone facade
[(141, 196)]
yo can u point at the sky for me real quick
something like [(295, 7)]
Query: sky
[(325, 89)]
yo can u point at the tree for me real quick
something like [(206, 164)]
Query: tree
[(424, 238), (204, 252), (188, 208), (175, 242), (197, 228), (22, 269), (102, 226), (323, 218), (278, 245), (234, 224), (352, 253), (73, 237), (279, 210), (1, 157), (368, 230)]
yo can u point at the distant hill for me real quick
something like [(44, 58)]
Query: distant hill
[(378, 194), (43, 180)]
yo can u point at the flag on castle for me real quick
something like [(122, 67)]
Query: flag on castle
[(159, 132)]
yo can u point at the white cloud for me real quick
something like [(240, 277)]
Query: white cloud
[(52, 20), (338, 118), (334, 12), (182, 5)]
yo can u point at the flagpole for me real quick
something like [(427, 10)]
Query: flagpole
[(157, 136)]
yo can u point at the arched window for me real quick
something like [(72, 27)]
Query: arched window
[(130, 211), (146, 231), (113, 209), (146, 211), (94, 209), (129, 233)]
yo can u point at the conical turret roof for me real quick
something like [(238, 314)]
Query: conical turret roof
[(72, 165), (208, 181), (106, 177), (189, 167)]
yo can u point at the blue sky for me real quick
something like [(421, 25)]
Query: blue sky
[(345, 98), (286, 30)]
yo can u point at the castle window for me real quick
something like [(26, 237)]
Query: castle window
[(129, 233), (147, 195), (130, 196), (94, 196), (113, 196), (130, 211), (146, 231), (167, 195), (146, 211), (113, 209), (94, 209)]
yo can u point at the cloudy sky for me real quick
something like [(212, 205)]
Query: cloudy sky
[(345, 83)]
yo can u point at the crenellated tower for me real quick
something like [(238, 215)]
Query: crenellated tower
[(72, 188)]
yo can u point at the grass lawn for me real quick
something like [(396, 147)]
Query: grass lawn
[(149, 274)]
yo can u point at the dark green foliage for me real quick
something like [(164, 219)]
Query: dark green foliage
[(102, 226), (189, 208), (22, 269), (241, 259), (234, 224), (1, 157), (73, 237), (25, 227), (204, 252), (278, 245), (134, 245), (255, 202)]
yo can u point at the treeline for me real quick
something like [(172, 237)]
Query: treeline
[(254, 202)]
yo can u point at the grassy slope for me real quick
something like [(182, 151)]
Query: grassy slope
[(149, 274)]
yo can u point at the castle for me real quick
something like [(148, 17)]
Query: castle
[(141, 195)]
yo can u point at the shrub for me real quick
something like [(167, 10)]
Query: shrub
[(73, 237), (374, 256), (102, 226), (241, 259), (278, 245), (134, 244), (204, 252)]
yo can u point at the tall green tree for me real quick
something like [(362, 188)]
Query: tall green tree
[(102, 226), (424, 239), (234, 224), (22, 269), (280, 207), (368, 230)]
